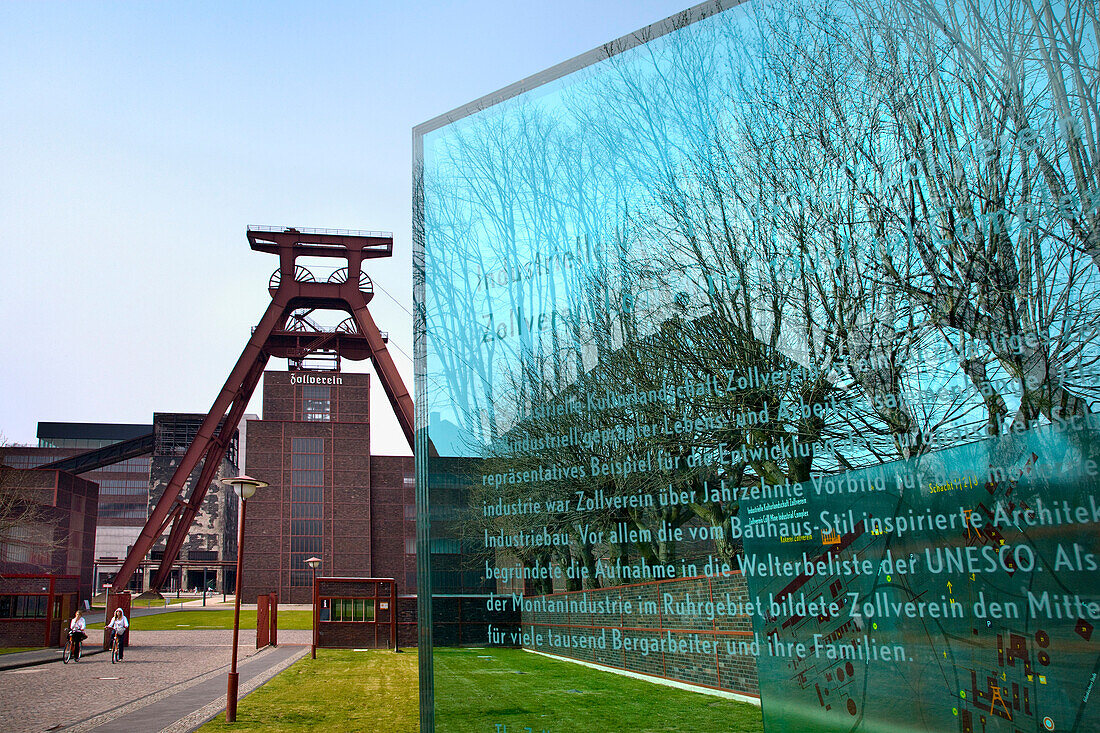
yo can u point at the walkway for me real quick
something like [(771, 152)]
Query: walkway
[(170, 681)]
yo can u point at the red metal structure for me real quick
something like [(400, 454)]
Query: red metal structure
[(285, 332), (267, 620)]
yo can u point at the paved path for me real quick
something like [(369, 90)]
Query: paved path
[(167, 675)]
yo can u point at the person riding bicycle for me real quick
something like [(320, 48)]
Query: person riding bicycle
[(77, 633), (117, 627)]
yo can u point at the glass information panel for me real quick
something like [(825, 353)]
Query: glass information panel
[(757, 362)]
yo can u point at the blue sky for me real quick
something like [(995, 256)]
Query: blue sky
[(138, 140)]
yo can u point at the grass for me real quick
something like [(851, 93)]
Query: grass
[(339, 691), (477, 689), (157, 602), (13, 649), (213, 619)]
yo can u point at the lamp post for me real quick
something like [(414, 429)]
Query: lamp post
[(244, 487), (314, 563)]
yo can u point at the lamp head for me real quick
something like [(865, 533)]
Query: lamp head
[(244, 486), (314, 562)]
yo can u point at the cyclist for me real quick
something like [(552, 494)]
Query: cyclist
[(77, 633), (118, 626)]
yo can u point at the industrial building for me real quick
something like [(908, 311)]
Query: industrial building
[(328, 496)]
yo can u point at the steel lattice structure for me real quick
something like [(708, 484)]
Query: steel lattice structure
[(285, 332)]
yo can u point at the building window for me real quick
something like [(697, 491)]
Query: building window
[(347, 609), (128, 510), (307, 493), (23, 606), (316, 403)]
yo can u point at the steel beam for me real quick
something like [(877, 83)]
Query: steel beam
[(269, 339), (399, 397), (106, 456), (253, 352), (211, 463)]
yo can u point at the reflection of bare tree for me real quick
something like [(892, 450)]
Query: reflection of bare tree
[(892, 206), (958, 162)]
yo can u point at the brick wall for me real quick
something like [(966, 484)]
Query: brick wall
[(375, 634), (663, 610), (63, 529), (464, 620)]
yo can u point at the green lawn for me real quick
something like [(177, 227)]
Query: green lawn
[(157, 602), (339, 691), (213, 619), (13, 649), (477, 689)]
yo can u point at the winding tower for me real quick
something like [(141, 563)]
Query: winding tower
[(285, 331)]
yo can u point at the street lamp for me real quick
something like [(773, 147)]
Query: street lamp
[(244, 487), (314, 563)]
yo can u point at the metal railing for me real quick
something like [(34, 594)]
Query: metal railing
[(334, 232)]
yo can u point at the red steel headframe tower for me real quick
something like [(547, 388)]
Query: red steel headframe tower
[(284, 332)]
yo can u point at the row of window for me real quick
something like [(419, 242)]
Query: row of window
[(299, 527), (75, 442), (304, 546), (123, 511), (316, 403), (124, 488), (347, 609), (307, 478), (312, 461), (302, 510), (25, 461), (306, 494), (300, 477), (131, 465), (307, 445), (127, 483), (23, 606)]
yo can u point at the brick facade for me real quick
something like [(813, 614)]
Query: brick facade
[(328, 496), (61, 541), (45, 562)]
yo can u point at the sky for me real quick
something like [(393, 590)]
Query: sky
[(139, 140)]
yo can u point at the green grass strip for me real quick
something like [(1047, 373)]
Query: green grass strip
[(341, 690), (213, 619), (478, 689)]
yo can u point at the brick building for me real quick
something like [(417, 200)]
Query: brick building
[(129, 488), (328, 496), (46, 556), (123, 486)]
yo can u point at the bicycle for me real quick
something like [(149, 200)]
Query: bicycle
[(70, 651), (114, 649)]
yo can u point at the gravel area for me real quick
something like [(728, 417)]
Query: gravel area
[(49, 696)]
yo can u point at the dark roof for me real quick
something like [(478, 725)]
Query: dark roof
[(92, 430)]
